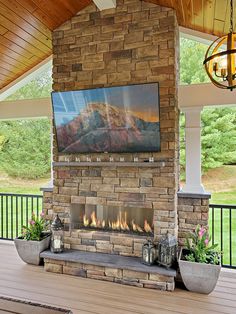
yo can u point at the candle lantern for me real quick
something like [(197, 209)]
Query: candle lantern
[(57, 238), (149, 253), (167, 250)]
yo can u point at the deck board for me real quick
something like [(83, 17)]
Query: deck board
[(84, 296)]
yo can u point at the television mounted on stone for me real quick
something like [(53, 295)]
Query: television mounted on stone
[(120, 119)]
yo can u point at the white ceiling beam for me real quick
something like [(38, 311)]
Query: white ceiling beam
[(105, 4), (197, 95), (25, 78), (25, 109)]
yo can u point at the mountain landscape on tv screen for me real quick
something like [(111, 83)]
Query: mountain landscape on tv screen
[(104, 128)]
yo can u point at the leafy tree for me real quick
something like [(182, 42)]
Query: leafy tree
[(25, 151), (218, 137), (192, 54)]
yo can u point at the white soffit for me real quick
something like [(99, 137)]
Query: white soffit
[(105, 4), (201, 37), (25, 78)]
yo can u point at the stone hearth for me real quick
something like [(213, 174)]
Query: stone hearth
[(109, 267)]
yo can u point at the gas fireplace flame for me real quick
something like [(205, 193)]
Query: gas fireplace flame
[(147, 227), (120, 224), (85, 221), (136, 227)]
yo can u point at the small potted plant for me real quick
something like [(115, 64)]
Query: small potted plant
[(200, 262), (34, 240)]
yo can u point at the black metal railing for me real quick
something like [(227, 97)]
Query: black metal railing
[(15, 212), (222, 227)]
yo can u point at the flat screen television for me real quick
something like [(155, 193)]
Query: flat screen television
[(113, 119)]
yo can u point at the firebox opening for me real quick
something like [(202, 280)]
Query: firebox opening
[(112, 218)]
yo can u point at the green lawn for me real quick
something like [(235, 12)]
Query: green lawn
[(224, 198), (21, 190), (225, 230)]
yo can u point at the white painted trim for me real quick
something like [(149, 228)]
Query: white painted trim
[(26, 109), (105, 4), (201, 37), (197, 95), (25, 78)]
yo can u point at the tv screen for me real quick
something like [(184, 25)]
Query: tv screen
[(114, 119)]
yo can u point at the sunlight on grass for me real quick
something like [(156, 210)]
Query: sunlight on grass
[(224, 198)]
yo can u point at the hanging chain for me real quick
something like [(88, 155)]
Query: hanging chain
[(231, 16)]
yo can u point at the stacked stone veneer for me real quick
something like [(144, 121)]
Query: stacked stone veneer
[(106, 242), (135, 43), (123, 276), (192, 210)]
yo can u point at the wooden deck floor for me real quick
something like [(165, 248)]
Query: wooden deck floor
[(82, 295)]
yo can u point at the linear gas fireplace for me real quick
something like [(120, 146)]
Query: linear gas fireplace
[(112, 218)]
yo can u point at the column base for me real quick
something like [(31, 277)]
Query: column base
[(193, 189)]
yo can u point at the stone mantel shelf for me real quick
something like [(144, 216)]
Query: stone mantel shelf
[(108, 164)]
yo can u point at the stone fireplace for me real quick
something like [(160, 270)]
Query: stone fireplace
[(112, 206), (135, 43)]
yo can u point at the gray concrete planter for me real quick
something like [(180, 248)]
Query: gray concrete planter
[(199, 277), (29, 251)]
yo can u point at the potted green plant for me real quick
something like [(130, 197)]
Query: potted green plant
[(200, 262), (34, 240)]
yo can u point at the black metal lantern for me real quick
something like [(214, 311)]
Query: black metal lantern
[(167, 250), (149, 253), (57, 238)]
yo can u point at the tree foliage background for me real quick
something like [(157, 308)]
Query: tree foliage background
[(25, 144)]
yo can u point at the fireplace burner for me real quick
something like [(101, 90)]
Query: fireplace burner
[(112, 218)]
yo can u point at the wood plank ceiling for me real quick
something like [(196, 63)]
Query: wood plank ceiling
[(208, 16), (25, 32), (26, 25)]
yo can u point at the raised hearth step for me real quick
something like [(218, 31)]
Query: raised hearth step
[(108, 260)]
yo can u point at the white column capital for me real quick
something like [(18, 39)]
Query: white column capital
[(192, 109), (192, 117)]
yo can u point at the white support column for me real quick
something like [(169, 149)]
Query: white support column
[(193, 151)]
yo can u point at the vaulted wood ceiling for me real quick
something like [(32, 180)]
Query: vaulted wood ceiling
[(25, 32), (26, 25), (208, 16)]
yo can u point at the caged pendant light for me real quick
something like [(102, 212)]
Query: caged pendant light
[(220, 59)]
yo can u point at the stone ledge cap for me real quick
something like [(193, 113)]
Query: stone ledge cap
[(47, 188), (194, 195)]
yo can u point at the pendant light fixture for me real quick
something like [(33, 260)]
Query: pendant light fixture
[(220, 59)]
